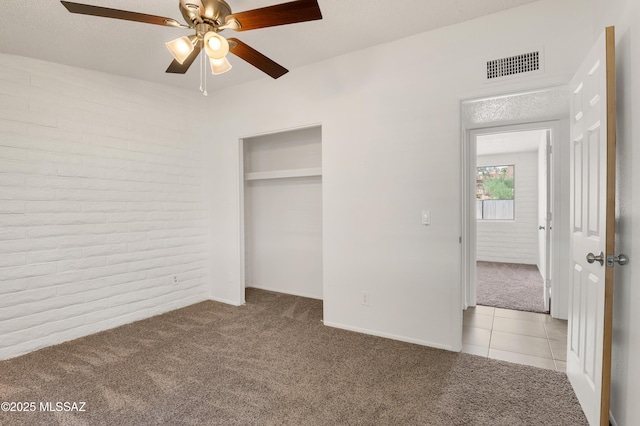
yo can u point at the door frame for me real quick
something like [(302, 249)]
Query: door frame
[(241, 272), (469, 209), (546, 108), (546, 217)]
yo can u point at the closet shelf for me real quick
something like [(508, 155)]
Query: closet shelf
[(283, 174)]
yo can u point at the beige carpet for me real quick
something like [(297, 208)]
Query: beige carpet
[(509, 286), (272, 362)]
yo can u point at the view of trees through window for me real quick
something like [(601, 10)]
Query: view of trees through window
[(495, 192)]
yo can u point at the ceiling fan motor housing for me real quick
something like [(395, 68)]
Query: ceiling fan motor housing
[(212, 12)]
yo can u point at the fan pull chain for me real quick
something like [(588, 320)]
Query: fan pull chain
[(203, 74), (204, 71), (201, 61), (205, 84)]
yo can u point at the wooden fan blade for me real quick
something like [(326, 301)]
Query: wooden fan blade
[(181, 68), (85, 9), (256, 58), (280, 14)]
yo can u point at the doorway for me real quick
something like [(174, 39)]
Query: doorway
[(523, 337), (542, 109), (512, 335), (513, 213)]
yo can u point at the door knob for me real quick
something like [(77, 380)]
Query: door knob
[(593, 258), (620, 259), (541, 228)]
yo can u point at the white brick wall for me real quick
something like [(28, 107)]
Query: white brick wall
[(101, 202), (513, 241)]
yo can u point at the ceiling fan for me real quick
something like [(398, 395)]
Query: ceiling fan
[(208, 18)]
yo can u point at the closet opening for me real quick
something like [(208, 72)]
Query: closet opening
[(282, 212)]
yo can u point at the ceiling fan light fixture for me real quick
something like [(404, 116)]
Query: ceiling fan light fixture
[(181, 48), (207, 18), (219, 66), (215, 45), (195, 5)]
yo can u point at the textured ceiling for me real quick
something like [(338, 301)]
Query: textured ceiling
[(43, 29)]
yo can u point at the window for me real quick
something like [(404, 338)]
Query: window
[(495, 193)]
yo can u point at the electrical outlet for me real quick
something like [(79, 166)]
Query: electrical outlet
[(175, 279), (365, 298)]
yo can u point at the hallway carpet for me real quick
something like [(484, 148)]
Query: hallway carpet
[(273, 362), (509, 286)]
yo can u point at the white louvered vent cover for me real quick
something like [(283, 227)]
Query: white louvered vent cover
[(518, 64)]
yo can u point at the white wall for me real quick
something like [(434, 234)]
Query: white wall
[(290, 150), (101, 203), (513, 241), (560, 235), (283, 229), (625, 15), (391, 148)]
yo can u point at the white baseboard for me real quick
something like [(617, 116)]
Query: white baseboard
[(612, 419), (225, 301), (390, 336), (284, 291)]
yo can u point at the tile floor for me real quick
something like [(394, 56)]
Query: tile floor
[(515, 336)]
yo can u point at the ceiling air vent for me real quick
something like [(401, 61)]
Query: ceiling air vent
[(513, 65)]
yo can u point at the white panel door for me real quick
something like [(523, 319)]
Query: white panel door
[(592, 228)]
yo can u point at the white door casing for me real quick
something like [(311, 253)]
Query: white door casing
[(592, 205), (544, 108), (548, 283), (469, 241), (545, 209)]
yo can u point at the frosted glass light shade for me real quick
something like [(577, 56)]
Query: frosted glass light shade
[(180, 48), (215, 45), (219, 66)]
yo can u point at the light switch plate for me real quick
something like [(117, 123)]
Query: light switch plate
[(426, 217)]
